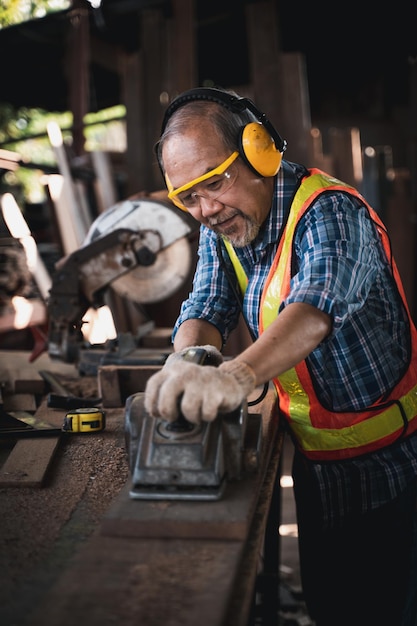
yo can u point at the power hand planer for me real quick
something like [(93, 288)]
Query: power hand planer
[(184, 461)]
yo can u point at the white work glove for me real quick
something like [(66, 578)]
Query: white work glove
[(214, 357), (201, 392)]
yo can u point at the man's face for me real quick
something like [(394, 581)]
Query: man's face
[(214, 186)]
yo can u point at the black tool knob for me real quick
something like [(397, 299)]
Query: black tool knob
[(180, 425), (145, 256)]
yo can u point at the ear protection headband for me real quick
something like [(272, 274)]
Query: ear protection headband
[(259, 144)]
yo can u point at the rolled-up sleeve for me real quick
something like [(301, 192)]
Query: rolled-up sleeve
[(211, 298)]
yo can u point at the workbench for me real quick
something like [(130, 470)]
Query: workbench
[(72, 553)]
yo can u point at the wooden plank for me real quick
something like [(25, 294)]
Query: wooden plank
[(161, 582), (62, 194), (228, 518), (121, 580), (108, 386), (19, 375), (20, 402), (28, 462), (24, 380), (10, 160), (117, 382), (157, 338), (116, 580), (241, 599), (70, 211)]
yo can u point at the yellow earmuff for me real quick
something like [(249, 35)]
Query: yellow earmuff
[(259, 149), (261, 146)]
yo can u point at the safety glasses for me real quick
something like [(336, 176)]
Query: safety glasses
[(211, 185)]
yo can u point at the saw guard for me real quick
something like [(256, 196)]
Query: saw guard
[(150, 283)]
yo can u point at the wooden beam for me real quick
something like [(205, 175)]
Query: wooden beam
[(28, 462), (154, 46), (105, 54), (183, 57), (78, 59), (295, 123), (209, 581), (279, 81)]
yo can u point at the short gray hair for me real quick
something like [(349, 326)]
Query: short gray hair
[(226, 123)]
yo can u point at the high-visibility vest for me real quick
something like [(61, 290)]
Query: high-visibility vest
[(322, 434)]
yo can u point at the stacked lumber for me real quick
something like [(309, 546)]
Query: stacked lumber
[(25, 462)]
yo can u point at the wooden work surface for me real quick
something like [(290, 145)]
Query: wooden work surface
[(76, 569)]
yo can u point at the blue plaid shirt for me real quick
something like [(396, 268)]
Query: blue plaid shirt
[(340, 268)]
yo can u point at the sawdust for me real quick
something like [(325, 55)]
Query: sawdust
[(41, 528)]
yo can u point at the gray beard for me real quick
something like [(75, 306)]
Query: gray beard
[(240, 241)]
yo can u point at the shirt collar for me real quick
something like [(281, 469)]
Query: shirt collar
[(286, 184)]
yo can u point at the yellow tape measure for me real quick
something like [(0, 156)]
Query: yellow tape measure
[(84, 420)]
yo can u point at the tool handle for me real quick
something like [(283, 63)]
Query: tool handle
[(196, 355), (56, 401), (54, 383)]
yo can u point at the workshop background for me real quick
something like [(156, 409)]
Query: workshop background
[(342, 91), (341, 88)]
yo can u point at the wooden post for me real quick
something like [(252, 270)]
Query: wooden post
[(279, 81), (400, 222), (78, 58), (345, 147)]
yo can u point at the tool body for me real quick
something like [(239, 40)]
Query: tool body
[(184, 461)]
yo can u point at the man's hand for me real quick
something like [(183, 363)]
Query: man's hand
[(200, 392)]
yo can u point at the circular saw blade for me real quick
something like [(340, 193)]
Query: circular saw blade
[(153, 283)]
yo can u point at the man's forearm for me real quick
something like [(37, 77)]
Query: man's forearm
[(195, 332), (289, 339)]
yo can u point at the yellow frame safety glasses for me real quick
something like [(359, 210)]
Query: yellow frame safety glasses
[(220, 169)]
